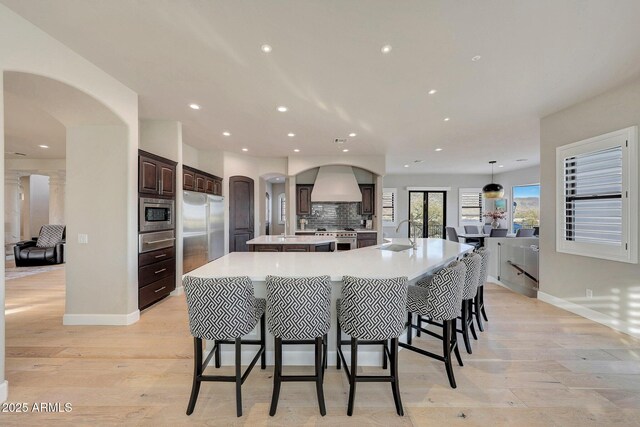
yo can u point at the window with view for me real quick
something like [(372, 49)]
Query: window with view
[(471, 206), (282, 211), (597, 197), (526, 206), (389, 198)]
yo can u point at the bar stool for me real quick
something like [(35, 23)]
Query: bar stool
[(478, 301), (223, 309), (439, 299), (473, 264), (299, 312), (371, 311)]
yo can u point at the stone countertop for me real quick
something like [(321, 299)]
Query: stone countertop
[(364, 262), (291, 240), (359, 230)]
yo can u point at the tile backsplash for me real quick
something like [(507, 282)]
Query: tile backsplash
[(334, 216)]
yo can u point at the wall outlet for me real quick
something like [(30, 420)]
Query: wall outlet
[(83, 238), (589, 293)]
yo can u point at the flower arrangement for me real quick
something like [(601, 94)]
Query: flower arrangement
[(495, 215)]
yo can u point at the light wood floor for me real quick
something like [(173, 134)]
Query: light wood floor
[(534, 366)]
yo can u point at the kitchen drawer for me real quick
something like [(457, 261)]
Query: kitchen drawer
[(155, 256), (363, 243), (367, 236), (156, 290), (156, 271), (265, 248), (295, 248)]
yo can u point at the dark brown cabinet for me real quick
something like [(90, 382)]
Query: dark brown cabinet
[(303, 199), (367, 239), (368, 206), (156, 175), (156, 276), (195, 180)]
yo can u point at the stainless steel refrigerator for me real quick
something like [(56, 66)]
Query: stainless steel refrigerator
[(202, 229)]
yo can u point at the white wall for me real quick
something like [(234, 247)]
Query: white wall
[(615, 285), (454, 181), (38, 202)]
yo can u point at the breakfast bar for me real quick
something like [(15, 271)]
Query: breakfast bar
[(288, 243), (394, 258)]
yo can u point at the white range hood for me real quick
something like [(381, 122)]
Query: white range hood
[(336, 184)]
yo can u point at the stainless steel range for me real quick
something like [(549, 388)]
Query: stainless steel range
[(345, 240)]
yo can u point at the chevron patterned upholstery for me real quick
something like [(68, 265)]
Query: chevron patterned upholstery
[(441, 298), (222, 308), (50, 235), (473, 262), (372, 309), (485, 253), (298, 308)]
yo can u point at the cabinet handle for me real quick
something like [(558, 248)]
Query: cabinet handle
[(159, 241), (160, 271), (158, 290), (160, 256)]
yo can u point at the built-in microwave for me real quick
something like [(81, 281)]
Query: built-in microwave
[(156, 214)]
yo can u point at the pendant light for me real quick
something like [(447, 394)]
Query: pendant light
[(493, 190)]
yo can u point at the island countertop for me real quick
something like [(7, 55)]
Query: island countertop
[(365, 262), (291, 240)]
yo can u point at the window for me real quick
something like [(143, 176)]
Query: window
[(597, 194), (282, 209), (389, 198), (470, 206), (526, 206)]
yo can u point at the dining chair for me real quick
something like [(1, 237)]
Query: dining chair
[(452, 234), (498, 232), (471, 229), (525, 232)]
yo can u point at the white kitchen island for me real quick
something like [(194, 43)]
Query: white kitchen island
[(373, 261)]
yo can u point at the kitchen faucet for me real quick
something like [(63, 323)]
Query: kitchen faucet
[(413, 223)]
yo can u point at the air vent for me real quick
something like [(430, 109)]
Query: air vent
[(340, 140)]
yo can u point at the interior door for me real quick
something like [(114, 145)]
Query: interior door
[(429, 208), (241, 210)]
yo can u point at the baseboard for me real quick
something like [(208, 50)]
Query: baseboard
[(590, 314), (179, 290), (101, 319), (4, 391)]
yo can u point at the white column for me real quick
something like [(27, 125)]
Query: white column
[(57, 181), (11, 207)]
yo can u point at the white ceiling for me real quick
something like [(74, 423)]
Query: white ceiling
[(327, 68)]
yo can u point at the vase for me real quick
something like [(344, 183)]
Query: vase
[(495, 224)]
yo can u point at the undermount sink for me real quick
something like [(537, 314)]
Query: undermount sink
[(395, 248)]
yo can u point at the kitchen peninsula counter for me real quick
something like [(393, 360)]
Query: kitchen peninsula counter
[(372, 261), (292, 244)]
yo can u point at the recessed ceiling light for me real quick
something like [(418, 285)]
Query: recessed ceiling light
[(446, 119), (476, 58), (296, 150), (266, 48), (346, 150), (406, 166), (500, 166), (432, 91), (291, 134), (194, 106), (225, 133), (386, 48), (282, 109), (245, 149), (43, 146), (521, 160), (353, 134), (438, 149)]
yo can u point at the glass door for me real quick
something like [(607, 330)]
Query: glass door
[(429, 209)]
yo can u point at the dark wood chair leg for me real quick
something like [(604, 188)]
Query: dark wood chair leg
[(465, 325), (338, 339), (470, 319), (446, 349), (325, 347), (395, 384), (384, 354), (418, 332), (476, 307), (484, 313), (277, 376), (263, 343), (197, 373), (409, 327), (238, 377), (320, 375), (454, 342), (217, 353), (352, 377)]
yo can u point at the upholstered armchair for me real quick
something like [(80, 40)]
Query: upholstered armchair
[(47, 248)]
